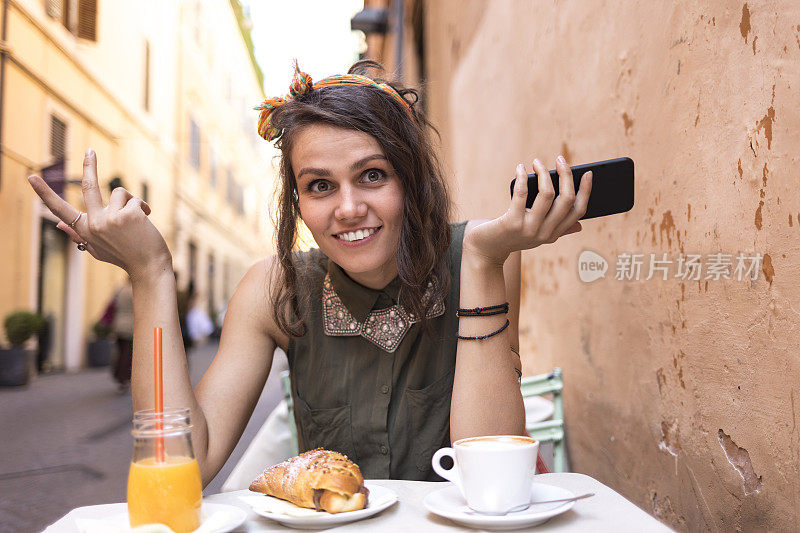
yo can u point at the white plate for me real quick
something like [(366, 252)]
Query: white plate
[(216, 518), (379, 499), (449, 503)]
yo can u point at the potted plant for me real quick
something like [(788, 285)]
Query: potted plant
[(15, 362), (100, 348)]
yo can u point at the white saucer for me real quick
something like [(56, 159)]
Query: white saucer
[(216, 518), (449, 503), (290, 515)]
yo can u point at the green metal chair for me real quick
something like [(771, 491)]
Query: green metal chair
[(286, 385), (549, 430)]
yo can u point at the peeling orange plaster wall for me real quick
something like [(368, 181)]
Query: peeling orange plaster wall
[(679, 394)]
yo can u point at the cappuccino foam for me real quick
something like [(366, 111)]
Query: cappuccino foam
[(496, 443)]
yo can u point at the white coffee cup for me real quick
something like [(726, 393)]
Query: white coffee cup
[(494, 473)]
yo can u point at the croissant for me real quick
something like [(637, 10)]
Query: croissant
[(317, 479)]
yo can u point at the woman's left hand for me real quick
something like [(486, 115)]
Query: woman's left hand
[(549, 218)]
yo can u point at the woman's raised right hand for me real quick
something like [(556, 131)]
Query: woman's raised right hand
[(119, 233)]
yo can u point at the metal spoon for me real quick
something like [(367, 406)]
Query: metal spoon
[(563, 500)]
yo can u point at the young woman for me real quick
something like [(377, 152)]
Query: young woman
[(382, 367)]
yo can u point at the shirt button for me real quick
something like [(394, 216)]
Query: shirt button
[(384, 449), (384, 389)]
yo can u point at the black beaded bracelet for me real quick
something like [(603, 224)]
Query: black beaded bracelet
[(483, 337), (483, 311)]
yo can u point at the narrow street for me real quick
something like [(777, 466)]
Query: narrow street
[(66, 442)]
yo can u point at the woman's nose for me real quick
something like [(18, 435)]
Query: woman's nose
[(351, 205)]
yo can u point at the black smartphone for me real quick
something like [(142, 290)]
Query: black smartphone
[(612, 186)]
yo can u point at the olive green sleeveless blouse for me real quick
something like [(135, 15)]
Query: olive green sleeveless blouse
[(366, 381)]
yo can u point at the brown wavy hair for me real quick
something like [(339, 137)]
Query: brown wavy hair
[(406, 141)]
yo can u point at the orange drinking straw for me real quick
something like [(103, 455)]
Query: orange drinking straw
[(159, 386)]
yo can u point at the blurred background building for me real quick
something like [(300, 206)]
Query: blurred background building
[(164, 93)]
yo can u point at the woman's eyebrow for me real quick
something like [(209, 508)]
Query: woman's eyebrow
[(355, 166)]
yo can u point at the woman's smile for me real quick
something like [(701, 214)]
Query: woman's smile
[(357, 237)]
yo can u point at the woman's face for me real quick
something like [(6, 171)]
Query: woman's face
[(351, 200)]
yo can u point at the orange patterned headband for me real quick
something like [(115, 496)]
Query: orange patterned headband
[(301, 84)]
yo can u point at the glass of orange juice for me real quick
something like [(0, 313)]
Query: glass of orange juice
[(164, 484)]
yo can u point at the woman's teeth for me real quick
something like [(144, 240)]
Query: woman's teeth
[(351, 236)]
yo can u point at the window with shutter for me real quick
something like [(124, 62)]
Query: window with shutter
[(194, 144), (67, 15), (58, 138), (212, 171), (234, 193), (226, 280), (192, 264), (54, 8), (212, 305), (230, 185), (87, 19)]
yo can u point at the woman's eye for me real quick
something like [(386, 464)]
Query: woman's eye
[(319, 186), (373, 175)]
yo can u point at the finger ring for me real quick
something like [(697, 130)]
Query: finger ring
[(77, 218), (82, 247)]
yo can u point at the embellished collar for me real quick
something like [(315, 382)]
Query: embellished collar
[(358, 299), (348, 310)]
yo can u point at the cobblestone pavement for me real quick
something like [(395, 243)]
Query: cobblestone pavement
[(65, 442)]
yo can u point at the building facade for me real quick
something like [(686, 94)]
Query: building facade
[(678, 393), (167, 103)]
